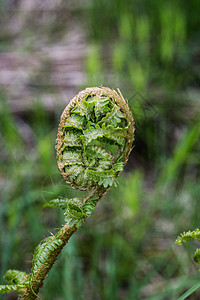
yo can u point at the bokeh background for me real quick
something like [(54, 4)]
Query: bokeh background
[(50, 50)]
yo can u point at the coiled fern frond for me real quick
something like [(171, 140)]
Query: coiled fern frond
[(94, 140)]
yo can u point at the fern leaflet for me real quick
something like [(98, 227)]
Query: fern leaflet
[(15, 277), (187, 236), (42, 253), (7, 288)]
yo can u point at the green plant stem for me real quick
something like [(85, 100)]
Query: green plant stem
[(94, 140), (64, 234), (37, 280)]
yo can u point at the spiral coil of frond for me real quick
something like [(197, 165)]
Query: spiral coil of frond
[(94, 138)]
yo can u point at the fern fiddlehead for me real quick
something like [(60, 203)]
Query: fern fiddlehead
[(94, 140)]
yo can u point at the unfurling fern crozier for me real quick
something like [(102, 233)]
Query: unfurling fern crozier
[(94, 138)]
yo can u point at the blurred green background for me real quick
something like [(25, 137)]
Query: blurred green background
[(49, 50)]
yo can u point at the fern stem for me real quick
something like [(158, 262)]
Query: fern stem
[(94, 140), (40, 274), (63, 234)]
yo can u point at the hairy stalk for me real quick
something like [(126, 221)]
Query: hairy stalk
[(37, 280), (94, 140)]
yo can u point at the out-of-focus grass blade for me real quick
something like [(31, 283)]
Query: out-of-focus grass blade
[(181, 154), (190, 291)]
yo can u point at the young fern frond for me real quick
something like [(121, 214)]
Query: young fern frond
[(94, 140), (187, 236), (15, 277), (61, 202), (18, 281)]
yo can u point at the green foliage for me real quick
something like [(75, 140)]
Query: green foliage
[(114, 118), (101, 106), (17, 281), (133, 199), (77, 212), (109, 132), (139, 60), (74, 215), (94, 125), (105, 178), (74, 121), (7, 288), (42, 253), (197, 256), (15, 277), (183, 149), (61, 202), (75, 209), (187, 236), (89, 207), (190, 292)]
